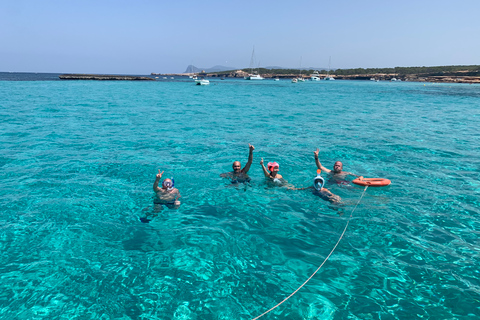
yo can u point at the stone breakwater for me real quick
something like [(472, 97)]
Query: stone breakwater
[(101, 77)]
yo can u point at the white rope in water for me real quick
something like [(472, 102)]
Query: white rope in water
[(331, 252)]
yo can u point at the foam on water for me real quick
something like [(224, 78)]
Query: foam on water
[(78, 161)]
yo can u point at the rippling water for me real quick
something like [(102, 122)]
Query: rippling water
[(78, 160)]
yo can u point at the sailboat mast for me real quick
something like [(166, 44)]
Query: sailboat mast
[(300, 70), (329, 61), (252, 60)]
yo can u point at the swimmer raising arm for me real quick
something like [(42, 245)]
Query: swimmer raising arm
[(167, 194), (265, 171), (317, 162), (337, 168), (273, 167), (238, 174)]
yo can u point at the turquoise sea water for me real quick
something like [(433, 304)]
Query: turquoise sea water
[(78, 160)]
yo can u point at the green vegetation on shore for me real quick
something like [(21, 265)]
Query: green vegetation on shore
[(430, 71), (472, 70)]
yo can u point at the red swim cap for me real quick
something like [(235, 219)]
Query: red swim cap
[(272, 165)]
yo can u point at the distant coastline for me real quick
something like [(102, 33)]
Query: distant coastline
[(102, 77), (448, 74)]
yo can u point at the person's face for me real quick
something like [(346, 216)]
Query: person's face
[(337, 167), (274, 170), (167, 183), (237, 167)]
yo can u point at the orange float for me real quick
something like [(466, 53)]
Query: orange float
[(372, 182)]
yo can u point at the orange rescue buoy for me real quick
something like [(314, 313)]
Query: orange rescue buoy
[(372, 182)]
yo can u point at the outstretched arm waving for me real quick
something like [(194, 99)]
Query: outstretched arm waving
[(250, 158), (317, 162), (265, 171)]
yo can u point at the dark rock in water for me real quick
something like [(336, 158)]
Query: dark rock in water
[(101, 77)]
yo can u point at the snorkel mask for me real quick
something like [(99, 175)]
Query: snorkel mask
[(168, 184), (318, 181)]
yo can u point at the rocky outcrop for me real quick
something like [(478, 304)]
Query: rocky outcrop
[(101, 77)]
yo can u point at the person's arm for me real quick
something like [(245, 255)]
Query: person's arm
[(306, 188), (325, 190), (354, 175), (250, 159), (317, 162), (157, 180), (265, 171)]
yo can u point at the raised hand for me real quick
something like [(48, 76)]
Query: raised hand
[(261, 161), (159, 175), (251, 147), (315, 153)]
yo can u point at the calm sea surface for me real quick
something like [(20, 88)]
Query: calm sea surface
[(78, 160)]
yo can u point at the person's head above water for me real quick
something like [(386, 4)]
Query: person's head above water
[(273, 167), (318, 181), (167, 184), (338, 167), (237, 167)]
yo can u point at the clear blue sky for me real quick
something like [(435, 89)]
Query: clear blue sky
[(143, 36)]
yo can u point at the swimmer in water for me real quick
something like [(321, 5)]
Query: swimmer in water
[(273, 175), (167, 195), (337, 174), (239, 175), (320, 191)]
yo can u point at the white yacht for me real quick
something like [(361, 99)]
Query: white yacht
[(254, 77), (202, 82), (315, 76)]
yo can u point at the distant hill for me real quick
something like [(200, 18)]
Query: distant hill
[(193, 69)]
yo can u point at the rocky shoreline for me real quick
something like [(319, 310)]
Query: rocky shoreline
[(102, 77)]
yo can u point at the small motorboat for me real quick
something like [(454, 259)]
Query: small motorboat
[(202, 82)]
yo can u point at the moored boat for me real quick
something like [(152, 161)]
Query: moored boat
[(254, 77), (315, 76), (202, 82)]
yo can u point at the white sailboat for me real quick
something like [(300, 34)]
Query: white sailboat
[(300, 77), (253, 75), (328, 77)]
